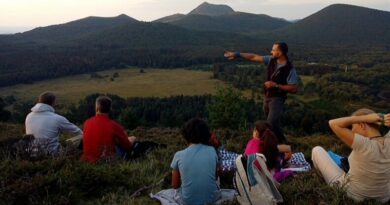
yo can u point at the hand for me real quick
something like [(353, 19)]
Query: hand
[(230, 55), (373, 118), (132, 139), (387, 120), (269, 84)]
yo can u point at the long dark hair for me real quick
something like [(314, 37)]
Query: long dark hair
[(270, 143)]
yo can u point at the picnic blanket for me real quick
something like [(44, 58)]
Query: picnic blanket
[(172, 196)]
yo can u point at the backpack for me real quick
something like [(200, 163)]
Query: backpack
[(254, 183)]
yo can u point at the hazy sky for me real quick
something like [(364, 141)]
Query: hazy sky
[(19, 15)]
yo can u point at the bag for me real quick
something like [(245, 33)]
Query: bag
[(254, 183)]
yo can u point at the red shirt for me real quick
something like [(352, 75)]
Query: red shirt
[(101, 135)]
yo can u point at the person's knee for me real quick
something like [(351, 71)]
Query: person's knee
[(316, 151)]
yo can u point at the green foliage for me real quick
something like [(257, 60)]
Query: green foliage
[(4, 114), (227, 109)]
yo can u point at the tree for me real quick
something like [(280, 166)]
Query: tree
[(227, 109)]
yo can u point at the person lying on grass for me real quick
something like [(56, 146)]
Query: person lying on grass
[(194, 169), (369, 161)]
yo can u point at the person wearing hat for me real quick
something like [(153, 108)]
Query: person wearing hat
[(282, 78)]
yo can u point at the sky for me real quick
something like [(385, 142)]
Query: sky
[(22, 15)]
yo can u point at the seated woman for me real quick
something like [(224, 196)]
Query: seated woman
[(264, 141), (369, 161), (195, 168), (257, 144)]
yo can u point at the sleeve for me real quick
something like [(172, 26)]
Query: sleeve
[(293, 78), (121, 137), (66, 126), (361, 144), (267, 59), (175, 161)]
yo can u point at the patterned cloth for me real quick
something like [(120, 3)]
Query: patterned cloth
[(227, 159), (298, 163)]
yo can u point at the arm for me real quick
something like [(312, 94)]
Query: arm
[(287, 88), (66, 126), (247, 56), (292, 83), (286, 149), (121, 138), (176, 181), (386, 120), (340, 126)]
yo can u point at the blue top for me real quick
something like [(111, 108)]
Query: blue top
[(292, 78), (197, 165)]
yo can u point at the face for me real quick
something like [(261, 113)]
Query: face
[(255, 133), (276, 52)]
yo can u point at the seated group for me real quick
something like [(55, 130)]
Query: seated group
[(196, 168)]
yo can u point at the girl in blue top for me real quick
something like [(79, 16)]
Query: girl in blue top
[(195, 168)]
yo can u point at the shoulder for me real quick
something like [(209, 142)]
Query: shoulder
[(116, 125), (267, 59), (179, 155), (210, 150), (59, 118), (88, 121), (361, 143)]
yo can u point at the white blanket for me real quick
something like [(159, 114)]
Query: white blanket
[(172, 196)]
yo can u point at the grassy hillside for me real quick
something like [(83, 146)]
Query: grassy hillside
[(341, 24), (237, 22), (67, 180), (129, 83)]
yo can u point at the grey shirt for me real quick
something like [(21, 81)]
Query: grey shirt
[(369, 174)]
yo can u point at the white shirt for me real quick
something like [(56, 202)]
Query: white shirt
[(45, 125)]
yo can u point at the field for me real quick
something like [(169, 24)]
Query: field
[(129, 83)]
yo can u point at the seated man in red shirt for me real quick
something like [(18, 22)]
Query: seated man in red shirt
[(103, 135)]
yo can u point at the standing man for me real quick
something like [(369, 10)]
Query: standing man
[(282, 78)]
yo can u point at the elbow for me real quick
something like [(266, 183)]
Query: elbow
[(294, 91), (175, 186), (331, 124)]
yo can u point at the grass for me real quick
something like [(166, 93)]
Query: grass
[(129, 83), (68, 180)]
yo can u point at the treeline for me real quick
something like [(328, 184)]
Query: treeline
[(28, 65), (165, 112), (227, 109)]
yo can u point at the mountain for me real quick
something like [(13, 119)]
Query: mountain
[(97, 43), (72, 30), (340, 24), (237, 22), (168, 19), (160, 35), (64, 50), (211, 10)]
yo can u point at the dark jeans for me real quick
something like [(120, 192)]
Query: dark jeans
[(273, 109)]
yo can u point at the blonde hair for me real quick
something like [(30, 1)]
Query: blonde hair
[(366, 111)]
